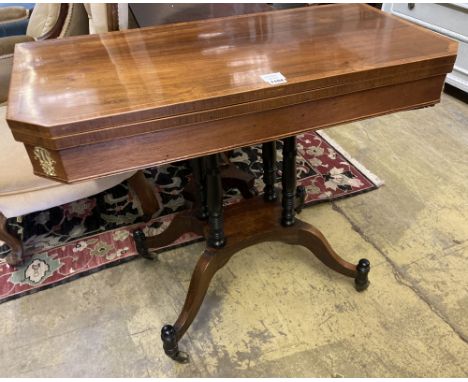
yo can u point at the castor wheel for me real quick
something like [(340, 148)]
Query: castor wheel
[(170, 345), (361, 282), (140, 243), (13, 260)]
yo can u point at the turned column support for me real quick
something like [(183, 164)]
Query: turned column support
[(200, 195), (216, 237), (250, 222), (269, 171), (267, 227), (288, 182)]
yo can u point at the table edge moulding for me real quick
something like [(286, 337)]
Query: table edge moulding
[(69, 107)]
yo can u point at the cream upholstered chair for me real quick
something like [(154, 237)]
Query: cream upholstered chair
[(46, 21), (105, 17), (22, 192)]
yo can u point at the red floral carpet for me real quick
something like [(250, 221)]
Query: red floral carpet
[(85, 236)]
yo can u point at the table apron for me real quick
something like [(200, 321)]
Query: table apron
[(191, 141)]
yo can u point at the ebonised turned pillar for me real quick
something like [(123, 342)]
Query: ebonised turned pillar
[(199, 177), (288, 181), (216, 237), (269, 171)]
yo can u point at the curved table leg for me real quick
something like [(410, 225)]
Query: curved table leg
[(208, 264), (248, 223), (15, 257), (310, 237), (231, 177), (145, 193), (182, 223), (255, 222)]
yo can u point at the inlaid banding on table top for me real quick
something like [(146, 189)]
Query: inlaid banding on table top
[(101, 81), (120, 101), (186, 142), (29, 134)]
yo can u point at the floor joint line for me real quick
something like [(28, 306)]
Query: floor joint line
[(399, 275)]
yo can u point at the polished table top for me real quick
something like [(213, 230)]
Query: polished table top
[(180, 68), (154, 95)]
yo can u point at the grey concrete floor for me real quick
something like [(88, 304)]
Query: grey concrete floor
[(274, 310)]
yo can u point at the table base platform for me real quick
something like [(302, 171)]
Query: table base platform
[(246, 223)]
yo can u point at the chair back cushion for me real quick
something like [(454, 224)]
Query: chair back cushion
[(107, 17), (57, 20), (47, 21), (43, 18), (13, 14)]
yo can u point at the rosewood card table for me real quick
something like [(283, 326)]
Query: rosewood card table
[(91, 106)]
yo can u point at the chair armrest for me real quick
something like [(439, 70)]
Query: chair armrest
[(7, 47), (7, 44), (12, 14), (13, 20)]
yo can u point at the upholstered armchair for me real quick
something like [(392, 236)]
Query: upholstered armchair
[(46, 21), (14, 18), (109, 17), (22, 192)]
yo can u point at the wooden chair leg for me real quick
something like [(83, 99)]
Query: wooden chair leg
[(146, 194), (16, 255)]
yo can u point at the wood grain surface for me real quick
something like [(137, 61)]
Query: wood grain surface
[(195, 88), (191, 141), (91, 82)]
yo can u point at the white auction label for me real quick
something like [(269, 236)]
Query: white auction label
[(274, 78)]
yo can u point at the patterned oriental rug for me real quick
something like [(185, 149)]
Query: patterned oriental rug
[(85, 236)]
